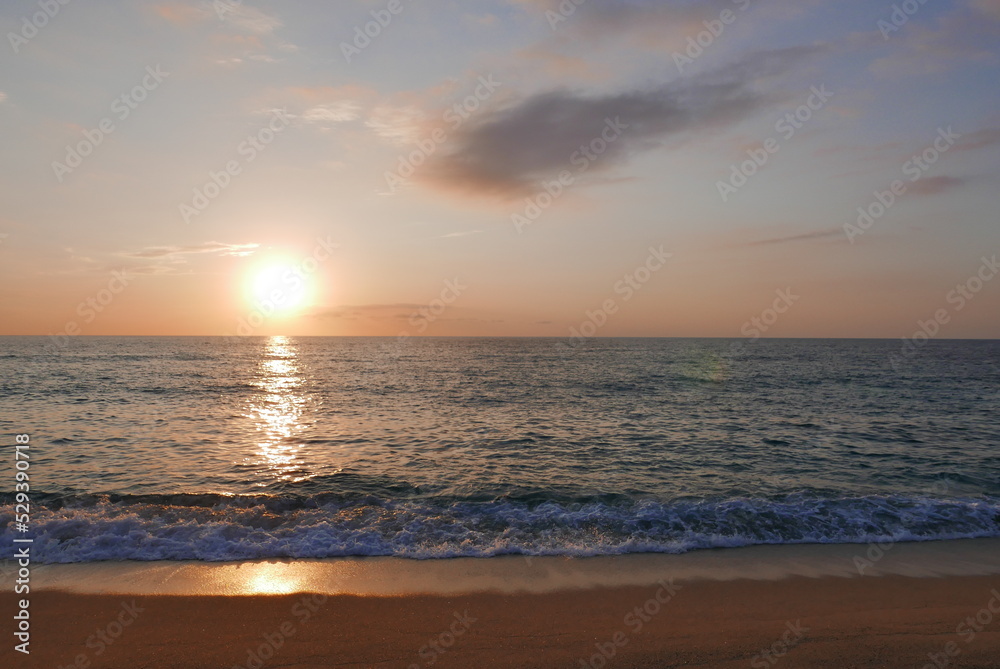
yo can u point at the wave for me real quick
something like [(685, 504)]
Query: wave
[(86, 528)]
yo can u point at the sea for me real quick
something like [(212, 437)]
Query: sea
[(235, 448)]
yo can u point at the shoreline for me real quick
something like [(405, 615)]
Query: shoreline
[(392, 576)]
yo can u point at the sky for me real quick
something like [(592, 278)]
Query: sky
[(721, 168)]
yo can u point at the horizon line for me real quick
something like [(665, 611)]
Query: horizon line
[(265, 336)]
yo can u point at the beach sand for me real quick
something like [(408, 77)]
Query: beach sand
[(693, 620)]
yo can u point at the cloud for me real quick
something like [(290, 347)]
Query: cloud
[(508, 151), (653, 25), (807, 236), (395, 312), (335, 112), (327, 94), (990, 8), (320, 105), (481, 19), (3, 97), (248, 18), (399, 125), (150, 260), (206, 247), (466, 233), (978, 139), (223, 18), (966, 33), (152, 270), (562, 66), (234, 12), (935, 185), (180, 14), (369, 311), (601, 19)]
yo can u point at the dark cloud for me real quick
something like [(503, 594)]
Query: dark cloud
[(509, 151)]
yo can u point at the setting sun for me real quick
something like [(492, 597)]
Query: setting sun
[(279, 287)]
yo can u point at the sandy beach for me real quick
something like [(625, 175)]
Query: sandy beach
[(884, 622), (707, 616)]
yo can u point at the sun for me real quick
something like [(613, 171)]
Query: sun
[(279, 288)]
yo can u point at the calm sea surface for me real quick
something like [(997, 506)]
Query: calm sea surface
[(232, 448)]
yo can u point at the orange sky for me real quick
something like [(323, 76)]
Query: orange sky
[(492, 171)]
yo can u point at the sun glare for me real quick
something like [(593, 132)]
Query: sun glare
[(279, 288), (268, 579)]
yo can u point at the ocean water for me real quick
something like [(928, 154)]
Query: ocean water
[(235, 448)]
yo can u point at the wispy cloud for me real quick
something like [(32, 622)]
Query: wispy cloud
[(322, 105), (481, 19), (466, 233), (651, 25), (988, 7), (248, 18), (181, 14), (599, 20), (968, 32), (335, 112), (978, 139), (218, 248), (399, 125), (369, 311), (828, 233), (395, 313), (236, 13), (935, 185), (239, 32)]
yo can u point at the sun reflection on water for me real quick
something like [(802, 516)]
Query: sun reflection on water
[(278, 409)]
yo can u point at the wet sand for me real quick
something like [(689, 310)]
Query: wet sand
[(688, 619), (829, 622)]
